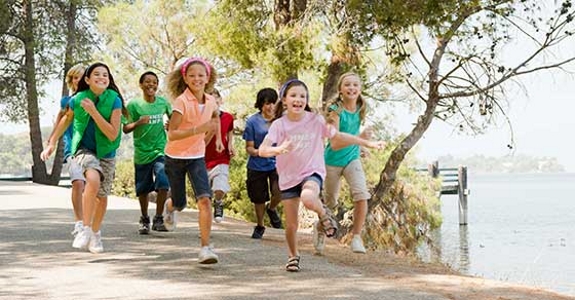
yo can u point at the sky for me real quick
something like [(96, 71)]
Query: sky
[(542, 120)]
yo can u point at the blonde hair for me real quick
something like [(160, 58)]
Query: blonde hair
[(338, 101), (75, 70), (176, 85)]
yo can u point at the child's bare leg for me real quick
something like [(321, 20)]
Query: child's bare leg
[(205, 220), (359, 215), (89, 198), (310, 198), (99, 212), (291, 210)]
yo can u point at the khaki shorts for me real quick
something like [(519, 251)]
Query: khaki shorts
[(105, 166), (355, 177)]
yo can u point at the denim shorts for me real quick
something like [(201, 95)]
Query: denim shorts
[(177, 168), (151, 177), (295, 192), (262, 184)]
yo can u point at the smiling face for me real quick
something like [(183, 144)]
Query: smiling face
[(196, 77), (350, 88), (149, 86), (98, 80), (295, 99)]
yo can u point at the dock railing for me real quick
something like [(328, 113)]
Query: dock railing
[(454, 182)]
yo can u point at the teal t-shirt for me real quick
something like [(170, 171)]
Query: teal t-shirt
[(349, 122), (149, 139)]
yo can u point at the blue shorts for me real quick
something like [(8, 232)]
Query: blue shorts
[(151, 177), (295, 192), (177, 168)]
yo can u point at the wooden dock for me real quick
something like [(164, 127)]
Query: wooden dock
[(454, 182)]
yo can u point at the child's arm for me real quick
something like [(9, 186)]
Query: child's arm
[(231, 149), (175, 133), (109, 129), (341, 140), (131, 126), (219, 144), (267, 150), (57, 132)]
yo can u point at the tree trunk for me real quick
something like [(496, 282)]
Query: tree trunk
[(387, 177), (68, 63), (334, 70), (39, 167)]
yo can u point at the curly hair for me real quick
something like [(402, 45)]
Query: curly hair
[(175, 83)]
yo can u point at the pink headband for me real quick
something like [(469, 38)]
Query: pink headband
[(188, 61)]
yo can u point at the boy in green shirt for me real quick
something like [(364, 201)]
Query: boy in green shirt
[(147, 123)]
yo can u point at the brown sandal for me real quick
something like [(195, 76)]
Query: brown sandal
[(328, 223)]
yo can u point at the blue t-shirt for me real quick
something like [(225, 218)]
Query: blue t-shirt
[(67, 138), (256, 130), (88, 141)]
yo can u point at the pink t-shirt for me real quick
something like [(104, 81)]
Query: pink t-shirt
[(307, 147), (192, 115)]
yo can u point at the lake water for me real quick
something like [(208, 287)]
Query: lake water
[(521, 229)]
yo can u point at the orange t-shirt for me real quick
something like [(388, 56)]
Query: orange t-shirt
[(192, 115)]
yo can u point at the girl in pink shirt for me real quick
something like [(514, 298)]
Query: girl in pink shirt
[(296, 138), (194, 112)]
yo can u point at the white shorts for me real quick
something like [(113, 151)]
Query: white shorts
[(74, 170), (219, 178)]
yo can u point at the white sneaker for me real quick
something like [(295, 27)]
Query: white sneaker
[(357, 244), (96, 245), (83, 238), (78, 227), (318, 239), (207, 256), (170, 218)]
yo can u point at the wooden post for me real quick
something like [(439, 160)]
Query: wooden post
[(433, 169), (462, 191)]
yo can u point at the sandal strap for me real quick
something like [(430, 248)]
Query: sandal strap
[(293, 263)]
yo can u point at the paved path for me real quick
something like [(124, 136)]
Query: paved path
[(38, 262)]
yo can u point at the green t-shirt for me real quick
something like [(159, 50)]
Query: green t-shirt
[(149, 139), (349, 122)]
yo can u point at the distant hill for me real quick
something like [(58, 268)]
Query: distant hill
[(507, 164)]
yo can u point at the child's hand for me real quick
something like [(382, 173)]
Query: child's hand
[(219, 146), (231, 151), (376, 144), (46, 153), (144, 120), (89, 106), (285, 146)]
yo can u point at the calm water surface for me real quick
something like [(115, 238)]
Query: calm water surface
[(521, 229)]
